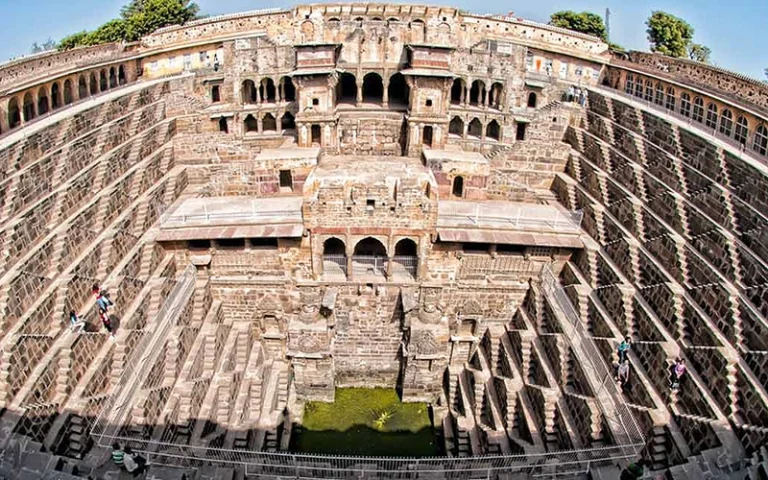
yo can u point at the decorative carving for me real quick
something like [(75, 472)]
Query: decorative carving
[(471, 307), (309, 344), (430, 314), (424, 343)]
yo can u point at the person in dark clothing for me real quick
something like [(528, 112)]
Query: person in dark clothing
[(118, 455)]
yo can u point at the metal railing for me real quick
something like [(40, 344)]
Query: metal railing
[(609, 397), (117, 406), (744, 149), (244, 216), (484, 265), (335, 264), (553, 219), (369, 265), (405, 266)]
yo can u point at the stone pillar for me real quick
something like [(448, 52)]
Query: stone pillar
[(466, 129), (359, 92), (482, 131), (4, 116), (280, 90), (259, 127), (350, 253), (465, 96), (385, 95), (485, 97)]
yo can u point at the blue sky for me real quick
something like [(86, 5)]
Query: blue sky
[(735, 30)]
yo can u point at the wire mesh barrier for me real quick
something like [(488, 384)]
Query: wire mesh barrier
[(245, 216), (369, 265), (405, 266), (143, 356), (335, 265), (623, 425), (533, 218), (480, 266)]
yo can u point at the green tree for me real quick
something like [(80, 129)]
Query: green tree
[(699, 52), (49, 44), (668, 34), (75, 40), (143, 17), (112, 31), (584, 22)]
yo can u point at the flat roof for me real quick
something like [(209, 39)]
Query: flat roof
[(291, 153), (507, 216), (431, 155), (367, 169)]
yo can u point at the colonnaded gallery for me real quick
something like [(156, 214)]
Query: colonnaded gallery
[(289, 205)]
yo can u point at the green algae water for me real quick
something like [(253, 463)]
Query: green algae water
[(366, 421)]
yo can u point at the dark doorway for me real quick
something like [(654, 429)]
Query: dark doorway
[(347, 92), (427, 136), (458, 187), (94, 84), (215, 94), (477, 93), (55, 96), (398, 90), (456, 127), (457, 91), (67, 92), (267, 90), (287, 122), (289, 90), (42, 102), (269, 123), (373, 88), (532, 100), (29, 107), (103, 81), (121, 75), (14, 114), (251, 125), (520, 134), (316, 137), (223, 127), (492, 130), (82, 88)]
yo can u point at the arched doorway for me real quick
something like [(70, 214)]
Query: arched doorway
[(251, 125), (457, 91), (458, 187), (477, 93), (334, 258), (42, 102), (94, 84), (532, 100), (369, 258), (269, 123), (82, 88), (475, 128), (121, 75), (347, 89), (112, 77), (492, 130), (426, 137), (497, 93), (103, 85), (456, 127), (248, 91), (267, 90), (373, 88), (398, 91), (287, 121), (405, 262), (55, 96), (288, 89), (67, 92), (28, 107), (14, 114), (223, 126)]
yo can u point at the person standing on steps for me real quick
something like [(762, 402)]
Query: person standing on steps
[(678, 371), (622, 374), (102, 298), (76, 322), (118, 455), (104, 316), (623, 349)]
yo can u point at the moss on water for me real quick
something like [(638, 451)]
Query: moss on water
[(366, 421)]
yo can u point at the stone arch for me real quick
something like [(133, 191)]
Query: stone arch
[(397, 90), (248, 91), (287, 122), (497, 95), (671, 99), (251, 124), (639, 88), (457, 91), (288, 89), (347, 89), (370, 246), (492, 130), (456, 127), (685, 105), (629, 84), (307, 31), (269, 123), (334, 23), (417, 31), (711, 121), (28, 107), (55, 96), (82, 87), (659, 98), (14, 113), (443, 27), (726, 122), (760, 144), (112, 77), (94, 84), (742, 130), (649, 90), (532, 99), (121, 80), (373, 88), (267, 90), (406, 247), (477, 93), (67, 92), (475, 128), (334, 246), (103, 83), (698, 109), (42, 101)]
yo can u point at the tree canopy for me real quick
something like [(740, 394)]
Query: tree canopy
[(669, 34), (699, 52), (584, 22), (137, 18)]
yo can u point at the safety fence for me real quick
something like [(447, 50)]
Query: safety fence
[(285, 216), (520, 218)]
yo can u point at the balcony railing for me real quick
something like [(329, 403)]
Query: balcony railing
[(369, 266), (335, 266), (243, 217), (524, 218), (405, 266)]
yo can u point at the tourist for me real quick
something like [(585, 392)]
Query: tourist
[(622, 374), (623, 349), (105, 320), (76, 322), (118, 455), (102, 298), (134, 463), (583, 97), (571, 93), (678, 370)]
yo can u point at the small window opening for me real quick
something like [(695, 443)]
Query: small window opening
[(429, 102), (263, 243), (223, 127), (520, 134), (458, 187), (199, 244), (286, 179), (231, 243), (315, 102), (215, 94)]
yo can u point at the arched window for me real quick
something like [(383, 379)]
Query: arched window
[(223, 126), (475, 128), (67, 92), (42, 101), (639, 88), (121, 75), (267, 90), (497, 94), (369, 258), (711, 116), (726, 123), (659, 99), (14, 113), (397, 90), (55, 96), (456, 127), (685, 105), (251, 125), (649, 90), (492, 130), (334, 258), (670, 105), (742, 131), (405, 261), (373, 88), (289, 89), (248, 92), (112, 77), (477, 93), (532, 100), (458, 187), (629, 85), (94, 84), (457, 91), (82, 88), (103, 85), (269, 123), (287, 121), (760, 145), (698, 109), (29, 107), (347, 89)]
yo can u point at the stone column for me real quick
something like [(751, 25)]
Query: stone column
[(280, 90), (482, 131), (389, 267), (359, 93), (385, 95), (4, 116), (258, 92), (465, 96), (466, 129), (350, 252), (485, 97), (259, 126)]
